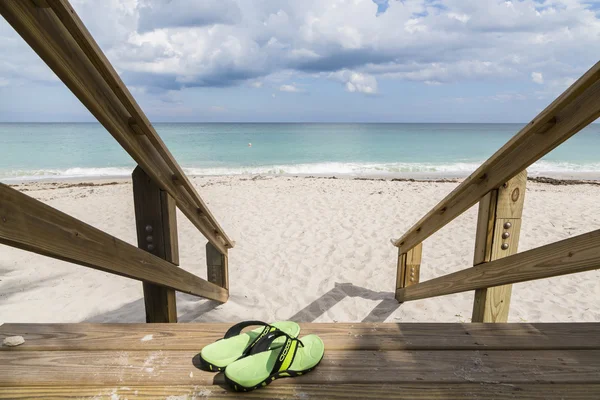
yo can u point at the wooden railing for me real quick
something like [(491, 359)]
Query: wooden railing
[(499, 186), (55, 32)]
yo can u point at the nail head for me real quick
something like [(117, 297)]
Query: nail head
[(507, 225), (504, 246)]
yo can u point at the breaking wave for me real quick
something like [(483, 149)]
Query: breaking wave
[(457, 169)]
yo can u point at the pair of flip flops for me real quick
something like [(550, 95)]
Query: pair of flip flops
[(255, 358)]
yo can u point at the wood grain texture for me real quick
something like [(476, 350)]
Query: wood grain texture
[(92, 361), (277, 391), (176, 367), (409, 267), (156, 227), (577, 254), (31, 225), (506, 208), (217, 270), (577, 107), (484, 232), (336, 336), (511, 197), (57, 35)]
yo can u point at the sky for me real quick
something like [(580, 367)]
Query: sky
[(320, 60)]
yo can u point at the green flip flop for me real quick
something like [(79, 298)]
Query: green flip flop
[(236, 344), (264, 364)]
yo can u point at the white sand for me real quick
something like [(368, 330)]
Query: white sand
[(307, 249)]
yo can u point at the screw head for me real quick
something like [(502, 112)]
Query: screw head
[(150, 247), (504, 246), (148, 228), (149, 238), (507, 225), (505, 235)]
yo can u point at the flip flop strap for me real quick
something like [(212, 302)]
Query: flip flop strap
[(237, 329), (287, 352)]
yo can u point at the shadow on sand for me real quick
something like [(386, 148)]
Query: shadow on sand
[(191, 308), (342, 290)]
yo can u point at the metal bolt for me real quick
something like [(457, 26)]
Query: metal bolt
[(505, 235), (504, 246), (507, 225), (150, 247), (149, 238), (148, 228)]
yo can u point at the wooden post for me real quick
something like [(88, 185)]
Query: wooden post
[(498, 229), (217, 268), (409, 266), (155, 214)]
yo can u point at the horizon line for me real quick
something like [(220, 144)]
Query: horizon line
[(267, 122)]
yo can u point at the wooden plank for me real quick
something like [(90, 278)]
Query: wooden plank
[(409, 266), (484, 233), (156, 227), (41, 3), (31, 225), (169, 218), (576, 254), (401, 271), (511, 197), (493, 304), (413, 265), (336, 336), (176, 367), (65, 54), (217, 268), (277, 391), (577, 107)]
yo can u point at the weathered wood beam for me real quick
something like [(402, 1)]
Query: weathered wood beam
[(31, 225), (577, 254), (498, 230), (577, 107), (59, 37), (217, 270), (156, 226), (409, 267)]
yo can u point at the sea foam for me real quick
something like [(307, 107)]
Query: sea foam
[(459, 169)]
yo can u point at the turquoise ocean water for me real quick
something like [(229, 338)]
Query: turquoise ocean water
[(79, 150)]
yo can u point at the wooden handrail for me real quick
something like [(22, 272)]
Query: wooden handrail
[(577, 107), (577, 254), (31, 225), (59, 37)]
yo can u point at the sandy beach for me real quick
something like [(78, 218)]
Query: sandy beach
[(307, 249)]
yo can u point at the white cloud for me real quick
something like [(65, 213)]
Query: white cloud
[(290, 88), (217, 109), (230, 42), (464, 18), (356, 81), (537, 77)]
